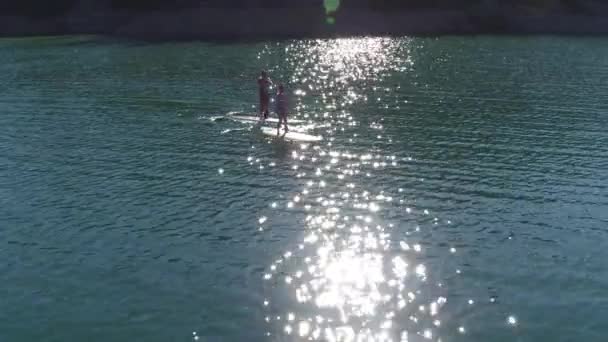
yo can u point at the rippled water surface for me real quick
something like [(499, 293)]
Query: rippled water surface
[(459, 194)]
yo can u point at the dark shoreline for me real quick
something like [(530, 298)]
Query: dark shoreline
[(217, 24)]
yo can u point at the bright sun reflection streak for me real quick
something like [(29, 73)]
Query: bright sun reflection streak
[(350, 281)]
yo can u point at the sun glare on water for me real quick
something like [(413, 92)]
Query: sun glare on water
[(354, 275)]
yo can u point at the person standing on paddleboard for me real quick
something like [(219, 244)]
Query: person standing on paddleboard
[(264, 84), (282, 105)]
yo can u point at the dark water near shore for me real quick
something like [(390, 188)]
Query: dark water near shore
[(460, 193)]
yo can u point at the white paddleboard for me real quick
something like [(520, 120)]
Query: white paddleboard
[(291, 136), (254, 118)]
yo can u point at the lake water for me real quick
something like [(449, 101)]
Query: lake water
[(459, 194)]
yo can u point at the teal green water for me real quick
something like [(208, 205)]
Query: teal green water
[(460, 192)]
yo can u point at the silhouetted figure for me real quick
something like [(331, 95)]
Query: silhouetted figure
[(282, 105), (264, 84)]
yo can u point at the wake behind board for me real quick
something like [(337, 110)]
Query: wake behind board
[(254, 119), (291, 136)]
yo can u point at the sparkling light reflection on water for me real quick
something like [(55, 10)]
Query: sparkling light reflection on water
[(348, 279), (129, 210)]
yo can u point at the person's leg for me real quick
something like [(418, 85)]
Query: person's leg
[(279, 125), (261, 106), (285, 121), (266, 106)]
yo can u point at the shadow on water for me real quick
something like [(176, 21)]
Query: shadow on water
[(281, 148)]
